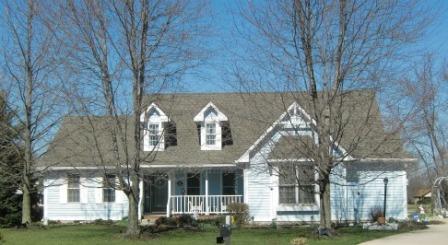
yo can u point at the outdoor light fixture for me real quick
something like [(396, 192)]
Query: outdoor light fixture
[(385, 180)]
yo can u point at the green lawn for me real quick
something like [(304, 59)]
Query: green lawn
[(110, 235)]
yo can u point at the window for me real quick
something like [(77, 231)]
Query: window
[(210, 133), (193, 184), (228, 183), (73, 190), (109, 188), (296, 184), (153, 134)]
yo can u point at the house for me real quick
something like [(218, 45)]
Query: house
[(422, 195), (204, 151)]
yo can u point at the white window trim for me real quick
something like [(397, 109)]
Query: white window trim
[(157, 134), (71, 188), (203, 120), (297, 205), (161, 120), (210, 127)]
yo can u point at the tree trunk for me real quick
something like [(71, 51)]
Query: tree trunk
[(26, 203), (325, 207), (133, 229)]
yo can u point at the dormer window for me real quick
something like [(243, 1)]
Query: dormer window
[(154, 134), (210, 133), (154, 123), (210, 122)]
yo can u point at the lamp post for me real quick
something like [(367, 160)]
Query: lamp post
[(385, 180)]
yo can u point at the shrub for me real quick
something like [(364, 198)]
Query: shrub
[(185, 220), (103, 222), (375, 213), (165, 221), (299, 241), (240, 212)]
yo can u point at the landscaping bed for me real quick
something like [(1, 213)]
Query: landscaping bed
[(110, 234)]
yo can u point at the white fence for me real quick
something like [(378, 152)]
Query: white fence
[(202, 204)]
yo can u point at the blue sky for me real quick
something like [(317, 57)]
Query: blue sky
[(212, 77)]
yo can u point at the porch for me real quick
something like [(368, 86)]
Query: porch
[(190, 191)]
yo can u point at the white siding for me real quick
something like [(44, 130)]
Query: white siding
[(368, 193), (91, 208), (350, 201), (260, 185)]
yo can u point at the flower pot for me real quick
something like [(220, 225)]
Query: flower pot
[(381, 220)]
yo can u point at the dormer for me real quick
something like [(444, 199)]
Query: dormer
[(210, 122), (154, 122)]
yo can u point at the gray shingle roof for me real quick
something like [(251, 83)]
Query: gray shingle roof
[(249, 117)]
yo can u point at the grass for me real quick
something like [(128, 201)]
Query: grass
[(112, 234)]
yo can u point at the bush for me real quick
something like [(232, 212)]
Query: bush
[(240, 212), (185, 220), (103, 222), (165, 221), (299, 241), (375, 213)]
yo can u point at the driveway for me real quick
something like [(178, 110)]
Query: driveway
[(434, 235)]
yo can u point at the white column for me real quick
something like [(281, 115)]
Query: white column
[(140, 201), (168, 211), (207, 209), (45, 218)]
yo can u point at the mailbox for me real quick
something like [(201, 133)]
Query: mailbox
[(225, 232)]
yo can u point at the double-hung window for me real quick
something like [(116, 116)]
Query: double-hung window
[(109, 188), (73, 188), (153, 134), (296, 184), (210, 133)]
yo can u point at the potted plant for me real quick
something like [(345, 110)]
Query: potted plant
[(381, 220)]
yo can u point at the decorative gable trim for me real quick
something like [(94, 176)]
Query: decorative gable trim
[(296, 112), (202, 115), (163, 117)]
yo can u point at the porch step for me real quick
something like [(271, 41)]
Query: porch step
[(149, 219)]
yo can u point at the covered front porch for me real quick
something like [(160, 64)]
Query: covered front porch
[(190, 191)]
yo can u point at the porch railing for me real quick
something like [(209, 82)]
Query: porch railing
[(202, 204)]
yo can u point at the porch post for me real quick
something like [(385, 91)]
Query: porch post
[(207, 209), (168, 204), (140, 201)]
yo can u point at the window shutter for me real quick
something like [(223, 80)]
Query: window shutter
[(99, 190), (83, 190), (63, 190)]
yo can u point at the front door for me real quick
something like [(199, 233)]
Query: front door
[(156, 193)]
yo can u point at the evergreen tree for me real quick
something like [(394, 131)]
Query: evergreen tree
[(10, 170)]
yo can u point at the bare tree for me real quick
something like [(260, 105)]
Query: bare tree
[(29, 64), (123, 52), (425, 88), (316, 53)]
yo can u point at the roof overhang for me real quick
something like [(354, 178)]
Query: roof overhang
[(157, 166)]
